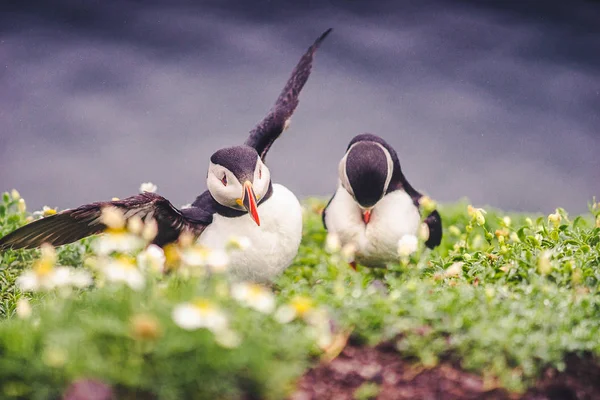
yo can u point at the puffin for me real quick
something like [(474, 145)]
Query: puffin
[(240, 201), (374, 205)]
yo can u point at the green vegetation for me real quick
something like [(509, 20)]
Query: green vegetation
[(504, 296)]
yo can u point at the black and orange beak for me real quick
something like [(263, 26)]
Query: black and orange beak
[(249, 202)]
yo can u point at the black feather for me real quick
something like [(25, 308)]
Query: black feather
[(270, 128)]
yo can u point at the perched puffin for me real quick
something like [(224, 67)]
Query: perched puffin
[(240, 201), (374, 205)]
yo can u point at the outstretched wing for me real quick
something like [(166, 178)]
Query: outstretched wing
[(71, 225), (268, 130)]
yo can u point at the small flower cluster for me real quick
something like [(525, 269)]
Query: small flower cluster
[(477, 214), (45, 275)]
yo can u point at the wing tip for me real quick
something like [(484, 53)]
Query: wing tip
[(318, 42)]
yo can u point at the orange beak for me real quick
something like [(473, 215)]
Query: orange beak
[(249, 202), (366, 216)]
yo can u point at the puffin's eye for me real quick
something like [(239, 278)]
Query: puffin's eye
[(259, 173), (224, 180)]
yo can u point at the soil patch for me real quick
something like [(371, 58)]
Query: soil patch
[(359, 372)]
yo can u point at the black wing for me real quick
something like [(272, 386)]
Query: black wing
[(268, 130), (325, 211), (433, 220), (71, 225)]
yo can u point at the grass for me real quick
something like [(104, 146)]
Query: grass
[(504, 298)]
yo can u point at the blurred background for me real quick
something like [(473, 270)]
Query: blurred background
[(495, 102)]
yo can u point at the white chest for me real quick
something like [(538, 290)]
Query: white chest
[(274, 243), (394, 216)]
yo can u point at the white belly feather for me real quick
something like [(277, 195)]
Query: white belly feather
[(274, 243), (394, 216)]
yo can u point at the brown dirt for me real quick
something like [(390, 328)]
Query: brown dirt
[(400, 379)]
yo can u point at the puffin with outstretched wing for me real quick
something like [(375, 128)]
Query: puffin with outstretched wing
[(240, 201)]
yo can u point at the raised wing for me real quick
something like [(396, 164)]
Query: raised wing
[(269, 129), (71, 225)]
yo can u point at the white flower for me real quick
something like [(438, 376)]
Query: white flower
[(15, 194), (285, 314), (407, 245), (217, 261), (150, 229), (424, 232), (195, 256), (200, 314), (46, 277), (148, 187), (454, 270), (80, 278), (113, 218), (348, 252), (333, 244), (254, 296), (153, 259), (119, 241), (123, 269), (23, 308), (228, 338)]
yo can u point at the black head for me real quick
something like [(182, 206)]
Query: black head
[(237, 178), (367, 169), (239, 160)]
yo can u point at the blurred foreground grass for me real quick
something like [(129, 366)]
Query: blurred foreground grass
[(504, 296)]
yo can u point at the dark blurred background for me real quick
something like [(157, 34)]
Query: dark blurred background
[(495, 101)]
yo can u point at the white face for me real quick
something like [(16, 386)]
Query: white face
[(344, 176), (227, 190)]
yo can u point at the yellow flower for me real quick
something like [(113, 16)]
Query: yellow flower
[(47, 211), (476, 214), (299, 306), (454, 230), (555, 219), (544, 264), (21, 205), (145, 327), (427, 204)]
